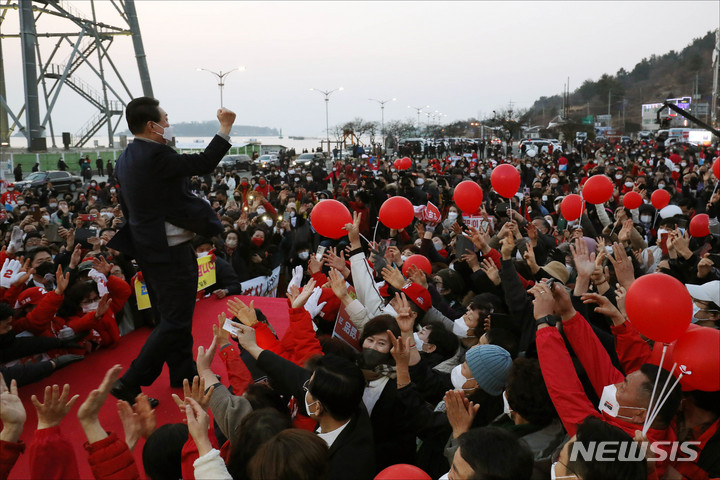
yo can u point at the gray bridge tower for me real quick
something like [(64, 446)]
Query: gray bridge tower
[(79, 49)]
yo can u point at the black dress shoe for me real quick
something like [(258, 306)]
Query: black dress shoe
[(121, 391)]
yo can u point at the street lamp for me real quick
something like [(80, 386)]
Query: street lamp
[(221, 78), (382, 115), (418, 110), (327, 101)]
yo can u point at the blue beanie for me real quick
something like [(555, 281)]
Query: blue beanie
[(489, 365)]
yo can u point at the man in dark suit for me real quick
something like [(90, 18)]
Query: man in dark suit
[(162, 218)]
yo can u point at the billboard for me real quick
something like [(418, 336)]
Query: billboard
[(649, 116)]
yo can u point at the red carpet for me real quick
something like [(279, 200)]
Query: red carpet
[(86, 375)]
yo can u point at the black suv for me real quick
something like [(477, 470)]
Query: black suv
[(61, 181)]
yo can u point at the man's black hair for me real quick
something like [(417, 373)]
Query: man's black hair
[(445, 341), (6, 311), (163, 451), (495, 453), (140, 111), (593, 431), (527, 393), (338, 385), (33, 253), (670, 408)]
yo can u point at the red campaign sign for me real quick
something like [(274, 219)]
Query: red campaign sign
[(345, 330)]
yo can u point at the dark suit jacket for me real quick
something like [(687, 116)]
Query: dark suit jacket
[(155, 188), (352, 454)]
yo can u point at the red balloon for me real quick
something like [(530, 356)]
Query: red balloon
[(468, 196), (700, 225), (420, 260), (660, 198), (505, 179), (716, 168), (697, 353), (397, 164), (598, 189), (329, 217), (632, 200), (659, 306), (397, 213), (571, 207), (403, 163), (402, 471)]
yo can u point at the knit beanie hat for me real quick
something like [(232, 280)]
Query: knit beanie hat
[(489, 365)]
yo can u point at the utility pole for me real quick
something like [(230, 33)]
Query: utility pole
[(609, 95), (716, 73)]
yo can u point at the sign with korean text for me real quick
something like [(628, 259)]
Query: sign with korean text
[(206, 272), (141, 294), (346, 330)]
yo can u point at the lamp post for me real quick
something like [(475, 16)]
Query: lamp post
[(327, 118), (382, 116), (418, 110), (221, 78)]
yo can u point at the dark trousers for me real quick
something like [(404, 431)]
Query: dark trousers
[(172, 288), (21, 347)]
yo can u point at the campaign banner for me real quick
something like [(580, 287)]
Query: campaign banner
[(141, 294), (346, 330), (206, 272), (262, 286)]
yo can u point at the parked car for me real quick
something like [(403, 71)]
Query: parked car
[(61, 181), (308, 158), (240, 162), (267, 160)]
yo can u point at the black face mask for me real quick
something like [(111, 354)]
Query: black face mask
[(45, 268), (372, 358)]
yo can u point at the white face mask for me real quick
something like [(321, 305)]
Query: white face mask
[(458, 379), (304, 255), (231, 243), (460, 328), (645, 219), (309, 179), (403, 258), (661, 185), (629, 184), (90, 307), (53, 205), (203, 254), (452, 215), (420, 181), (260, 211), (609, 403), (554, 181), (167, 133), (269, 222), (506, 405), (308, 405), (438, 246), (544, 198), (553, 475), (21, 202), (46, 218), (618, 177), (418, 342)]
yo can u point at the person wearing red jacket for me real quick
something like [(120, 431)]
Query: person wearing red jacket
[(263, 187), (624, 400)]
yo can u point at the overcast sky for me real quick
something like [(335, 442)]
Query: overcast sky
[(463, 59)]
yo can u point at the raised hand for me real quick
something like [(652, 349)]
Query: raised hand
[(623, 265), (491, 270), (471, 259), (584, 263), (90, 408), (400, 350), (604, 307), (54, 407), (313, 265), (460, 411), (198, 423), (544, 303), (338, 285), (62, 281), (298, 298), (103, 306), (333, 260), (222, 336), (417, 276), (393, 277), (204, 357), (404, 314), (353, 229), (196, 391), (12, 412), (507, 244), (705, 266), (529, 257), (245, 313), (102, 266)]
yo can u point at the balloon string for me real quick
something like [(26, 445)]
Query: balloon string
[(653, 412), (657, 410), (657, 378), (375, 232)]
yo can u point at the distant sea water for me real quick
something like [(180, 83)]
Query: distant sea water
[(298, 143)]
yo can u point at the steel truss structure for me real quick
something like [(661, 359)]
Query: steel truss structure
[(89, 40)]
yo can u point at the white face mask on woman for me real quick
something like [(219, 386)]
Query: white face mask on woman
[(459, 380)]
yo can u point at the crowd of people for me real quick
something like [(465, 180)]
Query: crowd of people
[(500, 356)]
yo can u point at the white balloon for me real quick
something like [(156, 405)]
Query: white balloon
[(531, 153), (670, 211)]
